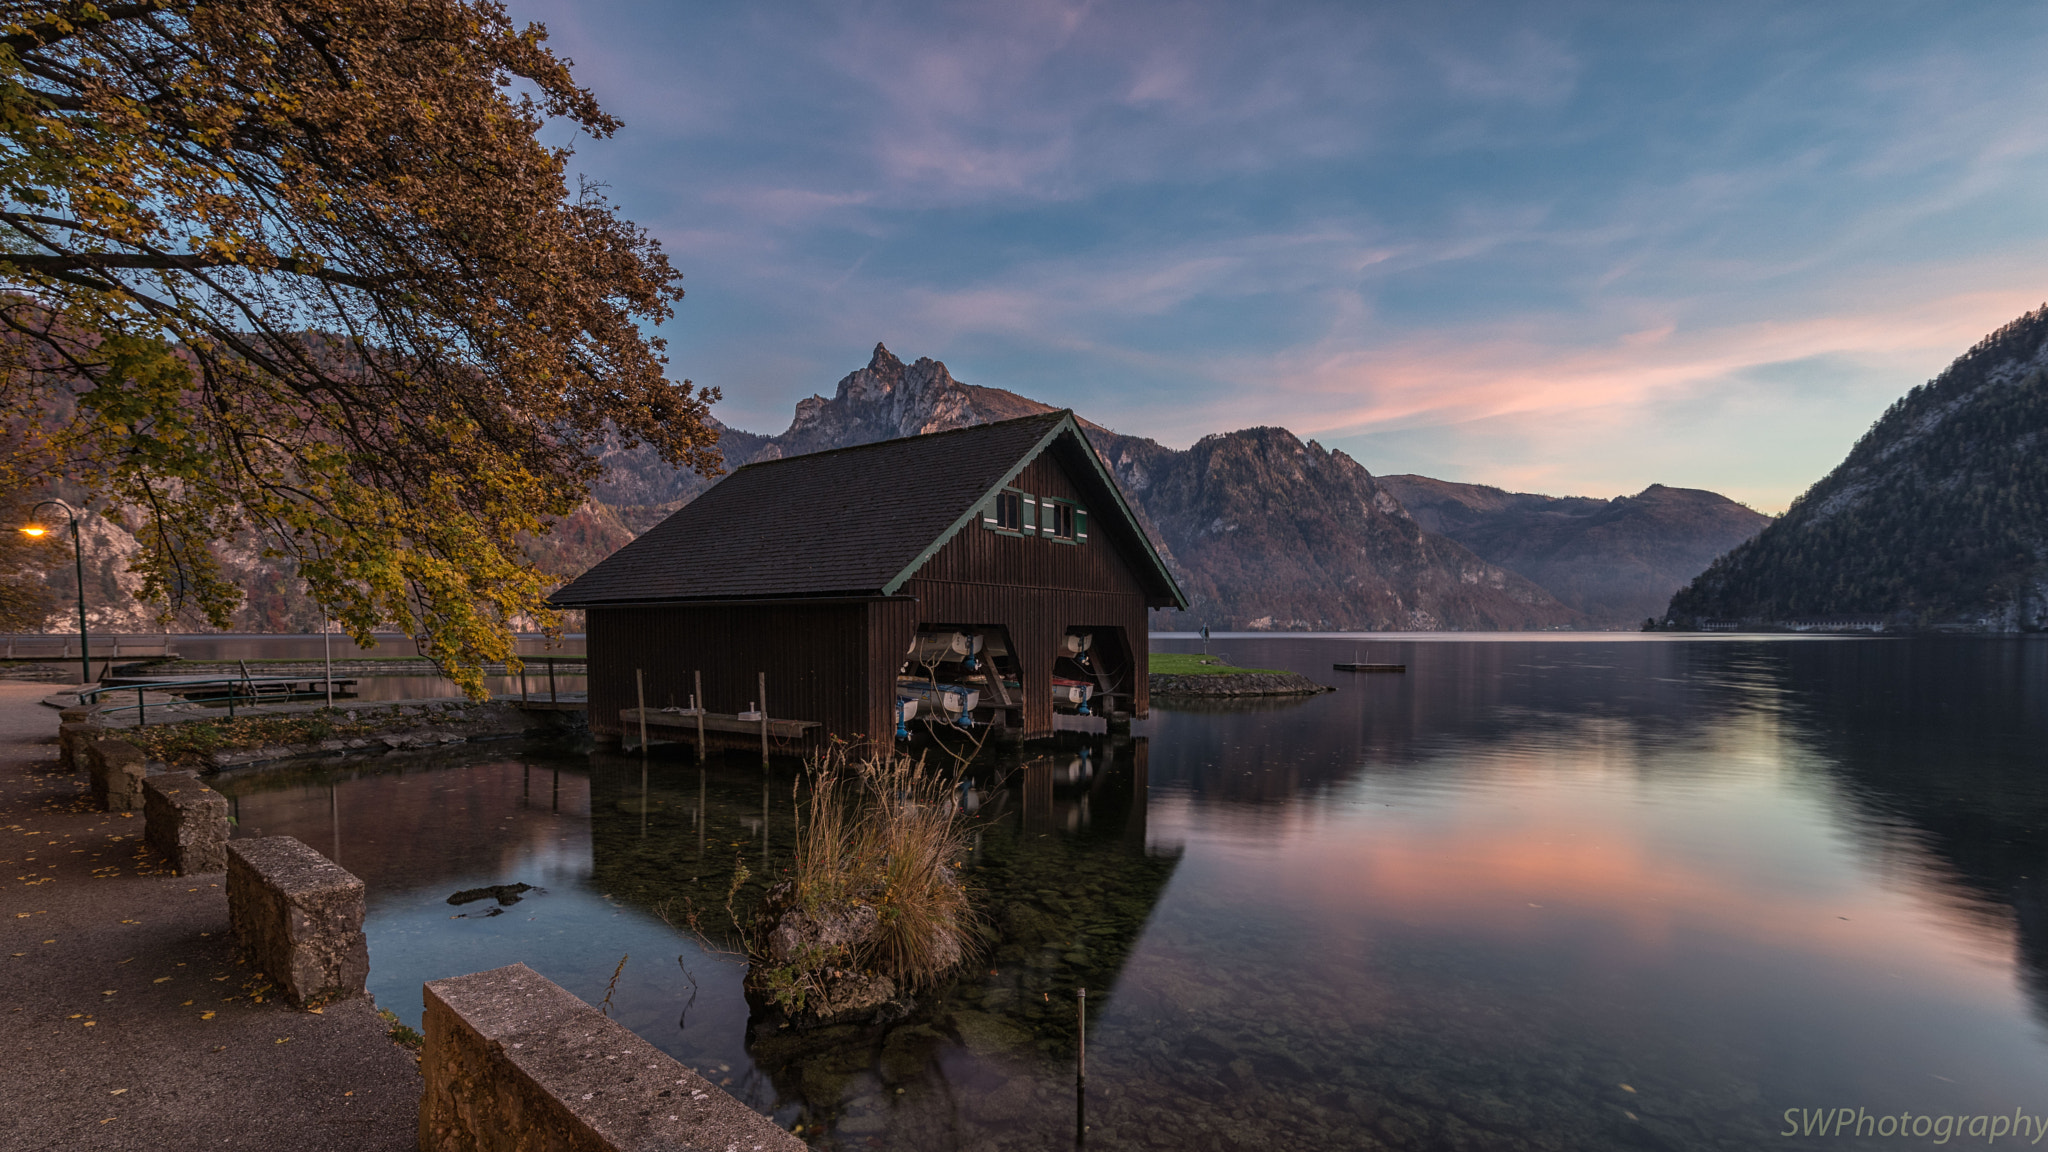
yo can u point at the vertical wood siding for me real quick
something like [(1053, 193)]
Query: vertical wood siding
[(1035, 589), (837, 663), (810, 652)]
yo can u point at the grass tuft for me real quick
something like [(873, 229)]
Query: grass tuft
[(884, 832), (1196, 664)]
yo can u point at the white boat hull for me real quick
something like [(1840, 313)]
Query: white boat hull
[(943, 647), (951, 701)]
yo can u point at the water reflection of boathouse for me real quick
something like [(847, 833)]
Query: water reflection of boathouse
[(1060, 863), (994, 557)]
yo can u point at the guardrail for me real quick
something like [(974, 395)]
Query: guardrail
[(141, 705), (105, 646)]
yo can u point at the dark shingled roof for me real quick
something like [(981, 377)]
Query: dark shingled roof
[(848, 522)]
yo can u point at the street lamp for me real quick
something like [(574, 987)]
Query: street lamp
[(38, 531)]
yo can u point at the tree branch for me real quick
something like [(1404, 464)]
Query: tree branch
[(48, 32), (109, 261)]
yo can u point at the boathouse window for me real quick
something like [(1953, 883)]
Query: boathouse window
[(1009, 512), (1064, 521)]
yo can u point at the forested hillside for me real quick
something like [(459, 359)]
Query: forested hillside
[(1937, 518)]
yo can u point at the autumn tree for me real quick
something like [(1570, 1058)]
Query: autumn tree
[(303, 269)]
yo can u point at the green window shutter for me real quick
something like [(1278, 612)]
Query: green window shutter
[(1080, 525), (1030, 514), (988, 511)]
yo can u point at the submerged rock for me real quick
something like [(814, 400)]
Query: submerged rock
[(505, 893)]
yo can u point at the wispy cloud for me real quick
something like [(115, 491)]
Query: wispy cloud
[(1567, 245)]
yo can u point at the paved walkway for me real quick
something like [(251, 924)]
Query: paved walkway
[(126, 1022)]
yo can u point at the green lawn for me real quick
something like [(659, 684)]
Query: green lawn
[(1196, 664)]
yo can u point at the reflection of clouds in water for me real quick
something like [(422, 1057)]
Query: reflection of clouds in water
[(1464, 906)]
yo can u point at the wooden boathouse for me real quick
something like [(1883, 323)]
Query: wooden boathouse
[(999, 560)]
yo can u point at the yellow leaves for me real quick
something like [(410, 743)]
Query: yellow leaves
[(207, 1015), (400, 460)]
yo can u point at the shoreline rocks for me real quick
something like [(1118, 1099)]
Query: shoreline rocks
[(1234, 684)]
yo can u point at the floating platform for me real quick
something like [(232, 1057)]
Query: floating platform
[(1355, 667)]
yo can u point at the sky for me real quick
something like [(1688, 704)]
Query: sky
[(1556, 247)]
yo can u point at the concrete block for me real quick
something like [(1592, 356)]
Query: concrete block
[(186, 821), (513, 1063), (76, 727), (116, 768), (298, 919)]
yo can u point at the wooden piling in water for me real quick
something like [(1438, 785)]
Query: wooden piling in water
[(764, 718), (697, 702), (640, 692)]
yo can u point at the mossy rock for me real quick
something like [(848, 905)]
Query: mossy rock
[(986, 1035)]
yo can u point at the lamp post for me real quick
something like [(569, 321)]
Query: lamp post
[(34, 529)]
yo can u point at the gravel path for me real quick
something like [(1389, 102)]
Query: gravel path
[(127, 1022)]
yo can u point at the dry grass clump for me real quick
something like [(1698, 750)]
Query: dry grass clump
[(875, 890)]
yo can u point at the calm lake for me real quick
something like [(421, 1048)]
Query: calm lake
[(1546, 893)]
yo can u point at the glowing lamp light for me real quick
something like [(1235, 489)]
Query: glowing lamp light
[(34, 530)]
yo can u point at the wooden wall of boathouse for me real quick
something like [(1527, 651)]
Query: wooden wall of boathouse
[(836, 662), (811, 653)]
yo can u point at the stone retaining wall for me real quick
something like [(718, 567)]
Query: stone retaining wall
[(1236, 684), (186, 821), (426, 725), (514, 1062), (298, 919)]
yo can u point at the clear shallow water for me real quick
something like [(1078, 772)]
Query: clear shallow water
[(1545, 894)]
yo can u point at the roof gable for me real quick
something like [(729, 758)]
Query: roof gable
[(853, 521)]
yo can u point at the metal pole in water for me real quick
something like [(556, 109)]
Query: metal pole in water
[(551, 680), (141, 713), (1081, 1067), (640, 690)]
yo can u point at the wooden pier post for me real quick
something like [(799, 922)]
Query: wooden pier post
[(640, 691), (551, 682), (764, 719), (697, 702)]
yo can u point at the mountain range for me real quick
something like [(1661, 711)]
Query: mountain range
[(1264, 530), (1937, 518)]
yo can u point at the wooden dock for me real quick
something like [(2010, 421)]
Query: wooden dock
[(1355, 667), (681, 723), (199, 689)]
